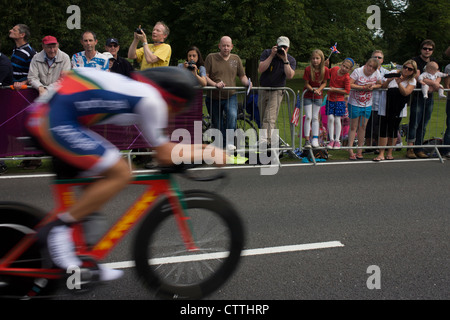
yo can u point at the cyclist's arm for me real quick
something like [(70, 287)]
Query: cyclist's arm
[(154, 115)]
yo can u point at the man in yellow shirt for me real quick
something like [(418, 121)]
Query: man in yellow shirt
[(156, 54)]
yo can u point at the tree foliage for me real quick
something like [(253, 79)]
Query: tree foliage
[(253, 26), (407, 23)]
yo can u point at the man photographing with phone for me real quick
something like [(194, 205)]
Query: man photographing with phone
[(151, 55)]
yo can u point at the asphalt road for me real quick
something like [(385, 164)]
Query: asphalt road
[(391, 217)]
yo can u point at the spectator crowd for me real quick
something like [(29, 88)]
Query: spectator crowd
[(373, 116)]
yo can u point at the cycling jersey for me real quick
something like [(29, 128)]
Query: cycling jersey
[(60, 120)]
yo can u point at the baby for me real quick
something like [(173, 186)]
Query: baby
[(432, 73)]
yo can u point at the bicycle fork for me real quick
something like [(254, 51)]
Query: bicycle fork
[(179, 207)]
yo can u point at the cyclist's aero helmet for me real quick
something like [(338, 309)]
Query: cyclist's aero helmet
[(177, 86)]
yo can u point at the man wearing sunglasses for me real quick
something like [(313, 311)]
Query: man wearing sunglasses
[(120, 65), (421, 108)]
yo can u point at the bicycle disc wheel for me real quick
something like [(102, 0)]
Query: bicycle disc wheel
[(17, 220), (174, 272)]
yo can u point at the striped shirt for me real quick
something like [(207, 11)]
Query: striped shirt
[(20, 60)]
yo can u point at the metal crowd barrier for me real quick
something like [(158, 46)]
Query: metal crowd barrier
[(249, 101), (290, 135), (437, 135)]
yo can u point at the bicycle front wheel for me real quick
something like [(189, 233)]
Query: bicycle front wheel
[(172, 270)]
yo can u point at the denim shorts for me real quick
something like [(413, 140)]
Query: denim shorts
[(356, 112), (336, 108), (315, 102)]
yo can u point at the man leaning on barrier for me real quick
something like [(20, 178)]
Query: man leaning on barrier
[(275, 66), (22, 55), (46, 66), (222, 68)]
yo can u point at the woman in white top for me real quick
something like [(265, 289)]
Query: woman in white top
[(400, 84), (363, 81)]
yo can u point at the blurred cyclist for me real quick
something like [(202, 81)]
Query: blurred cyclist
[(84, 97)]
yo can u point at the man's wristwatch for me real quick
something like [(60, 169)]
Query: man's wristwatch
[(286, 62)]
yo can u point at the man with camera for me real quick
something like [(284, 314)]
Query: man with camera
[(275, 66), (156, 54)]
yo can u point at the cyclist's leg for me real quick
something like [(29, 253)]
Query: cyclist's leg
[(100, 192), (91, 153)]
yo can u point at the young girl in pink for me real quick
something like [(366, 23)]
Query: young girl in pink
[(336, 107), (315, 76)]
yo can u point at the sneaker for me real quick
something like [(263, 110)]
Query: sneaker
[(410, 154), (307, 144), (58, 238), (331, 144), (239, 159), (315, 143), (337, 145), (107, 274)]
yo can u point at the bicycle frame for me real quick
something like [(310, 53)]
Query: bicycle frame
[(64, 196)]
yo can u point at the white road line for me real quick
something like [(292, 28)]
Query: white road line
[(240, 167), (218, 255)]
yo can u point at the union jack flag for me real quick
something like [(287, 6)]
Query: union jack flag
[(334, 49), (296, 114)]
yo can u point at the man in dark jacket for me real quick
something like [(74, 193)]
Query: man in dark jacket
[(120, 65)]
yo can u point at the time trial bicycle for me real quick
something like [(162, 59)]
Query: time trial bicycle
[(187, 244)]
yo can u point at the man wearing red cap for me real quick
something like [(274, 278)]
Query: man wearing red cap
[(45, 69), (47, 65)]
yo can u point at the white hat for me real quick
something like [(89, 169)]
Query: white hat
[(108, 55), (283, 41)]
